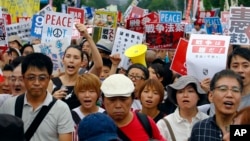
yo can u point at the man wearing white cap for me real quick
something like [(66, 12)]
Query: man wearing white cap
[(117, 99)]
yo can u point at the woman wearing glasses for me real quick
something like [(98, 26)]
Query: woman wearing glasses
[(138, 74)]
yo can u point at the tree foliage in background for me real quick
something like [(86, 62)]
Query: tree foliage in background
[(95, 3), (207, 5), (155, 5)]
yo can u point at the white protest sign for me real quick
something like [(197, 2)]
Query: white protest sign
[(55, 50), (124, 39), (57, 26), (20, 29), (3, 40), (206, 55)]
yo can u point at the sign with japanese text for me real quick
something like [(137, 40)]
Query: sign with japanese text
[(55, 50), (78, 18), (105, 19), (171, 17), (3, 40), (103, 33), (213, 25), (20, 29), (178, 64), (163, 36), (37, 26), (138, 24), (206, 55), (239, 25), (47, 8), (204, 14), (57, 26), (124, 39), (77, 12)]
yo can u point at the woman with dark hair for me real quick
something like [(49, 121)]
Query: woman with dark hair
[(26, 49), (62, 87), (138, 73), (151, 94), (187, 94)]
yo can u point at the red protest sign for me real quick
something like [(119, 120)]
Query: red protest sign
[(136, 12), (7, 18), (23, 19), (138, 24), (179, 60), (77, 12), (163, 36), (204, 14)]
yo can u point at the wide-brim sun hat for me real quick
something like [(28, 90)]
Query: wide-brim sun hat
[(181, 83)]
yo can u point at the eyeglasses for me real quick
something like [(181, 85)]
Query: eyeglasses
[(136, 77), (225, 89), (15, 78), (40, 78)]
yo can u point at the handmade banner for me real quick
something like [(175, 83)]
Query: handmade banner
[(124, 39), (239, 25), (163, 36), (57, 26), (178, 64), (23, 19), (206, 55), (55, 50)]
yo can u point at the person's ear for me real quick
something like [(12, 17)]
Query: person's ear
[(210, 96)]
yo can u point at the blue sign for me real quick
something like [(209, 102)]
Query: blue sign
[(170, 17), (37, 26), (44, 1), (213, 25)]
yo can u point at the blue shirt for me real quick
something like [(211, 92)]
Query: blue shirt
[(206, 130)]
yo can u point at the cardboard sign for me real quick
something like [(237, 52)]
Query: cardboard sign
[(124, 39), (170, 17), (57, 26), (163, 36), (239, 25), (206, 55), (179, 61), (213, 25)]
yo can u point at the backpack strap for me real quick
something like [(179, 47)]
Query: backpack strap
[(57, 82), (121, 135), (145, 123), (19, 106), (169, 129), (75, 117), (38, 119)]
